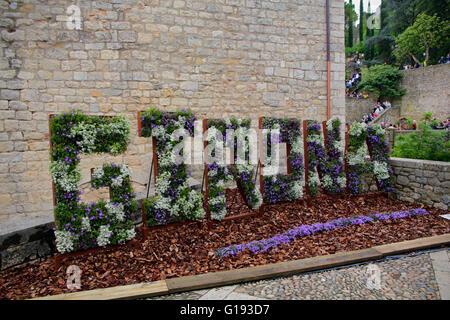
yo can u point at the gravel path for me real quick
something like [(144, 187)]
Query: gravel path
[(406, 278)]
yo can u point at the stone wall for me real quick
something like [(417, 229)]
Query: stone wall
[(247, 58), (427, 90), (356, 108), (423, 181)]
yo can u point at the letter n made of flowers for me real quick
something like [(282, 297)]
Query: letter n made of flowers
[(80, 226)]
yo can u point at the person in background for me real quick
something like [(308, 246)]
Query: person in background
[(414, 125), (442, 60), (448, 58)]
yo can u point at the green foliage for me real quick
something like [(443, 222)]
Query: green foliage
[(427, 116), (350, 17), (425, 143), (357, 48), (382, 80), (426, 33)]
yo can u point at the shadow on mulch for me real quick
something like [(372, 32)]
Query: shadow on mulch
[(189, 250)]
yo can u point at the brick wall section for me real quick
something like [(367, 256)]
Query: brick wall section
[(247, 58), (427, 182)]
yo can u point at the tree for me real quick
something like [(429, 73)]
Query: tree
[(350, 18), (427, 32), (383, 81), (361, 20)]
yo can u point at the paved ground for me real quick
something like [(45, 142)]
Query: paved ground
[(419, 276)]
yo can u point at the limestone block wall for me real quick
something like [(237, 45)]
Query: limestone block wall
[(356, 108), (427, 90), (247, 58), (423, 181)]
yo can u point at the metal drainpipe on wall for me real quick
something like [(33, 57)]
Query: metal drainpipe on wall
[(328, 61)]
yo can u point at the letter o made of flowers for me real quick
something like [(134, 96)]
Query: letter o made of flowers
[(80, 226), (278, 187)]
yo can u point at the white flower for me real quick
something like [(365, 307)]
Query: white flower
[(163, 182), (380, 169), (212, 173), (330, 124), (125, 171), (379, 131), (217, 200), (163, 203), (117, 211), (359, 157), (130, 234), (315, 138), (159, 132), (85, 224), (313, 179), (66, 178), (270, 171), (212, 134), (103, 237), (219, 215), (221, 184), (297, 146), (88, 133), (297, 189), (98, 173), (64, 241), (357, 129), (342, 181), (117, 181), (327, 182)]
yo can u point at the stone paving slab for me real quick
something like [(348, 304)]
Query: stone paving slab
[(441, 266)]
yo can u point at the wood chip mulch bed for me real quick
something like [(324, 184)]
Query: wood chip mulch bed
[(189, 250)]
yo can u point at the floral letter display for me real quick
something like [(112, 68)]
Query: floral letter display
[(374, 136), (219, 173), (278, 187), (378, 147), (329, 161), (175, 200), (80, 226)]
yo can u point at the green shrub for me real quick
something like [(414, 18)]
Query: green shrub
[(425, 143), (382, 81)]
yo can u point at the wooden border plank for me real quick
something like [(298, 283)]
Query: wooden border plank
[(132, 291)]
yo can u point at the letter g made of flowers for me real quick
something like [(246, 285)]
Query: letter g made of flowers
[(81, 226)]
